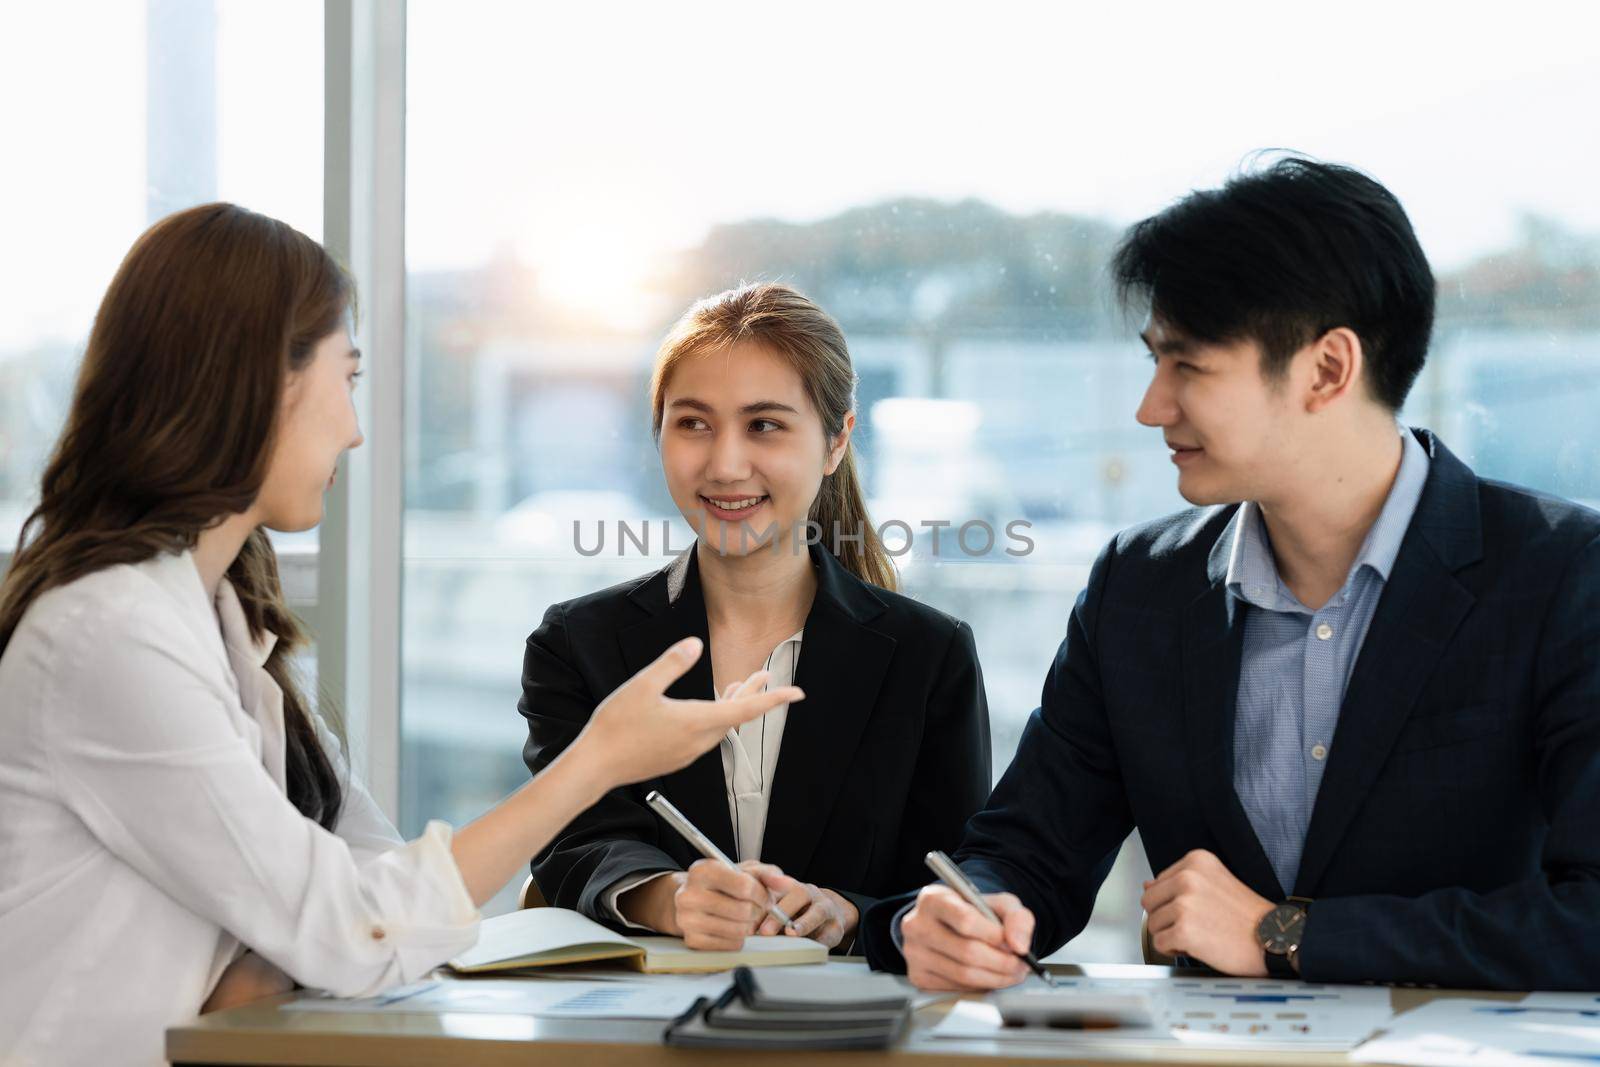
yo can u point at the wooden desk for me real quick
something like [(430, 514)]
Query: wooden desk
[(262, 1035)]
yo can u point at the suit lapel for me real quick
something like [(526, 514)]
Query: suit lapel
[(1418, 612), (1213, 645), (698, 790), (842, 666)]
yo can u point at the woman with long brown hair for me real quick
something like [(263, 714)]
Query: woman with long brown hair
[(829, 806), (179, 828)]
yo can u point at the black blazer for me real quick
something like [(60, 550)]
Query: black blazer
[(886, 758), (1455, 838)]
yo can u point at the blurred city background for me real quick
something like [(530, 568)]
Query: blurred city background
[(949, 192)]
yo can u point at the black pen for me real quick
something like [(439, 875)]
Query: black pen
[(952, 876)]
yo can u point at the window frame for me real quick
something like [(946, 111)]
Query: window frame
[(360, 566)]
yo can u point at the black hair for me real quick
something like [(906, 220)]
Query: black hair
[(1281, 256)]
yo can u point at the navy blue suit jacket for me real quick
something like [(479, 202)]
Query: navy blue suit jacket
[(1455, 838)]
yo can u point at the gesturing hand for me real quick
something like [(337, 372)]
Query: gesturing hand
[(639, 732), (1197, 908)]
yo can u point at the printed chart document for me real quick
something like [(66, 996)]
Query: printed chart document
[(548, 999), (548, 937), (1198, 1013), (1543, 1030)]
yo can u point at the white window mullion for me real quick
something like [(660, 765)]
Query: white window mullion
[(359, 573)]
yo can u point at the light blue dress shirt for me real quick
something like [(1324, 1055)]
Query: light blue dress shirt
[(1296, 663)]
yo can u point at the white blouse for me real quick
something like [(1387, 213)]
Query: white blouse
[(750, 756), (146, 840)]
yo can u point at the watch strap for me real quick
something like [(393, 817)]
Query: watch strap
[(1279, 966)]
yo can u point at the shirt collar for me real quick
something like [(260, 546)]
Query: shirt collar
[(1253, 572), (236, 631)]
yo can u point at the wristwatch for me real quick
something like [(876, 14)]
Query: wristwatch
[(1281, 933)]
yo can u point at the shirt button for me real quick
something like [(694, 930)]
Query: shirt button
[(1319, 751), (1324, 631), (378, 933)]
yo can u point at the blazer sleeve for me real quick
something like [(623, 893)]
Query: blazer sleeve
[(1540, 933), (141, 748), (1052, 827), (951, 780), (618, 837)]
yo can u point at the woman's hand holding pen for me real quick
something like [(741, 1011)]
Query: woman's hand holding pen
[(710, 906), (949, 946), (716, 908), (820, 914)]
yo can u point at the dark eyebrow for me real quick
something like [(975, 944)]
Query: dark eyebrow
[(1175, 346), (748, 409), (766, 405)]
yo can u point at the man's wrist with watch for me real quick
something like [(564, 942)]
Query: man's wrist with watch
[(1280, 934)]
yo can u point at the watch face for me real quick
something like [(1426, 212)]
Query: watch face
[(1280, 931)]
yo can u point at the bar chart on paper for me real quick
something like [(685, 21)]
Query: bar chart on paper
[(1201, 1013)]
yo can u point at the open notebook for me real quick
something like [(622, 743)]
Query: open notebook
[(548, 937)]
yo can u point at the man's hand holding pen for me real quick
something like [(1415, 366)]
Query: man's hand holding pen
[(949, 945)]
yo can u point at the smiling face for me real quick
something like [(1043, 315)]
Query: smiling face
[(316, 425), (1233, 432), (743, 449)]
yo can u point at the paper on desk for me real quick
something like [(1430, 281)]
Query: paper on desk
[(842, 969), (1204, 1013), (1561, 1000), (1491, 1033), (545, 998)]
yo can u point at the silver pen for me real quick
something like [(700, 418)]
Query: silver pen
[(706, 847), (956, 879)]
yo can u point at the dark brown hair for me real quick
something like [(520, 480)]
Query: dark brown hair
[(799, 332), (172, 426)]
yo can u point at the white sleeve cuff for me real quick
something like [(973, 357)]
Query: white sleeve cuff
[(622, 885), (429, 914)]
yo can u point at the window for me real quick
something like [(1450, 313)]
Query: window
[(152, 108), (949, 188)]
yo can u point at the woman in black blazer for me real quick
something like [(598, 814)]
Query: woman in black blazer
[(828, 804)]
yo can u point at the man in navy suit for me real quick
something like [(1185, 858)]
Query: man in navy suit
[(1351, 700)]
